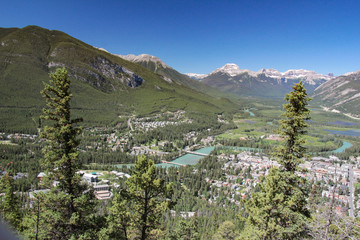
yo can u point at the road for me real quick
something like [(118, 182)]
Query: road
[(129, 124), (352, 194)]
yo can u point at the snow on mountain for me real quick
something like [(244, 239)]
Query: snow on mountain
[(350, 73), (144, 58), (232, 70), (273, 73), (307, 75), (196, 75)]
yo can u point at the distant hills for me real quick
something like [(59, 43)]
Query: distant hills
[(104, 85), (263, 83), (341, 93)]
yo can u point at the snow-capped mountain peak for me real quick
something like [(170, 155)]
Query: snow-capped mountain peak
[(233, 70), (351, 73), (196, 75), (270, 72)]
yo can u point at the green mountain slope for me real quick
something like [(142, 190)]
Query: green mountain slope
[(104, 86)]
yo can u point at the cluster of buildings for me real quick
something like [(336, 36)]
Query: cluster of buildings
[(102, 189), (18, 136), (119, 141), (244, 171), (146, 126), (160, 120), (18, 175)]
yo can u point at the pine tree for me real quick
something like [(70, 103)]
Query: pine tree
[(9, 202), (150, 197), (119, 218), (278, 210), (68, 208), (185, 229), (61, 155), (293, 128), (226, 231)]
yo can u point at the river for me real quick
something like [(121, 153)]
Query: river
[(251, 113), (343, 147)]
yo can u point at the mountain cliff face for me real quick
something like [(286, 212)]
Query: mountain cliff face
[(263, 83), (157, 66), (102, 84), (341, 93)]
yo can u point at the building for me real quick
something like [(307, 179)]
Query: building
[(102, 192), (90, 178)]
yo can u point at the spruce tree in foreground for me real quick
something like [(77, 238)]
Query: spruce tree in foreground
[(278, 210), (151, 196), (139, 207), (68, 208), (9, 202)]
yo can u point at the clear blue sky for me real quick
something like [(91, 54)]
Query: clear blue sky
[(200, 36)]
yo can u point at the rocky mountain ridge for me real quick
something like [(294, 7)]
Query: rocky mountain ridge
[(341, 93)]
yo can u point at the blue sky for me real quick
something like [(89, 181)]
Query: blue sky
[(200, 36)]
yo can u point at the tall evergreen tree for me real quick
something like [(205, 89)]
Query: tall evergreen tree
[(60, 155), (150, 196), (68, 208), (119, 219), (226, 231), (185, 229), (9, 202), (293, 128), (278, 210)]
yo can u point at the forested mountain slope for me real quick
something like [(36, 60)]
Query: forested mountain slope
[(104, 86)]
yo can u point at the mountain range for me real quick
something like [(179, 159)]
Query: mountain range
[(263, 83), (233, 70)]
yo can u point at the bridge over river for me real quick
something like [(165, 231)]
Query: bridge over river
[(178, 164), (197, 153)]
